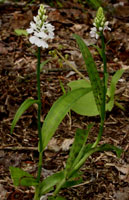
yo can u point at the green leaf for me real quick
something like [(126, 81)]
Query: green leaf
[(111, 90), (84, 146), (21, 177), (77, 149), (24, 106), (20, 32), (58, 111), (92, 72), (47, 184), (89, 151), (84, 105), (109, 147), (72, 183)]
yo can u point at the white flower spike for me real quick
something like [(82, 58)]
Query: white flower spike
[(41, 31), (99, 24)]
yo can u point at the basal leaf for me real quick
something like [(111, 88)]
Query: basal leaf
[(72, 183), (109, 147), (49, 182), (58, 111), (21, 177), (112, 88), (84, 146), (84, 105), (75, 149), (24, 106)]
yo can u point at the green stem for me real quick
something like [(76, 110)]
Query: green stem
[(104, 83), (36, 196), (39, 166), (39, 114), (105, 76)]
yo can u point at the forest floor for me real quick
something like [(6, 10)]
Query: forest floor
[(106, 177)]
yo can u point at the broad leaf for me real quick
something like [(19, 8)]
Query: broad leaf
[(21, 177), (24, 106), (112, 88), (92, 72), (47, 184), (84, 105), (58, 111)]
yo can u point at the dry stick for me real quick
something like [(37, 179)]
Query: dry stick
[(19, 148), (78, 72)]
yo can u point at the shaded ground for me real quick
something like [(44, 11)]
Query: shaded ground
[(105, 176)]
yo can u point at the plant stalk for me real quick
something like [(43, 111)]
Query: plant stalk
[(39, 114)]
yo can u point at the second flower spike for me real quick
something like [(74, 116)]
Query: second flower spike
[(100, 24)]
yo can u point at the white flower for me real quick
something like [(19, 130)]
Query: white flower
[(93, 33), (40, 30), (99, 24), (106, 26)]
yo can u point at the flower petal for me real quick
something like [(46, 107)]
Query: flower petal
[(33, 39), (29, 30)]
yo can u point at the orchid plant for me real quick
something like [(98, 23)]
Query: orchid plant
[(40, 33)]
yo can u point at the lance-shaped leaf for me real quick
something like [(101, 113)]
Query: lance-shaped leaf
[(111, 90), (89, 151), (109, 147), (48, 184), (21, 177), (92, 72), (24, 106), (76, 152), (58, 111)]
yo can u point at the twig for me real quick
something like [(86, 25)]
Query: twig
[(18, 148)]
